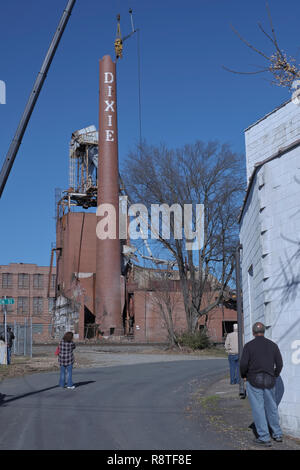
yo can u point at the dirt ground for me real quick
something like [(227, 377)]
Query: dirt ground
[(227, 413)]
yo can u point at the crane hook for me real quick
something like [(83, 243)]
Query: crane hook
[(118, 40)]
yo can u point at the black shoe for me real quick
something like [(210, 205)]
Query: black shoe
[(253, 428), (263, 443), (278, 439)]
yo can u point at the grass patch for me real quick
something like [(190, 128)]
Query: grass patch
[(210, 402), (197, 340), (21, 365)]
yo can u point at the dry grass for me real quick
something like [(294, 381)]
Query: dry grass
[(22, 365)]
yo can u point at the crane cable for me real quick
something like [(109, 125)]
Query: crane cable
[(139, 86), (119, 41)]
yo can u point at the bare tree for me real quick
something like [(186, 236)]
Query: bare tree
[(209, 174), (166, 301), (282, 67)]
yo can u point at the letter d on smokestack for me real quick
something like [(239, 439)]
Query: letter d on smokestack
[(108, 263)]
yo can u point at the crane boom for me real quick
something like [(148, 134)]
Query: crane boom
[(17, 140)]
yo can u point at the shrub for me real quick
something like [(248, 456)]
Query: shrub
[(196, 340)]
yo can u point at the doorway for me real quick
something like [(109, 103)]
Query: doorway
[(89, 324)]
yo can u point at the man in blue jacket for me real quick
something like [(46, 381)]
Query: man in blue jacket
[(260, 364)]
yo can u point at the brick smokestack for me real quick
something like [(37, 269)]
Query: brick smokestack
[(108, 262)]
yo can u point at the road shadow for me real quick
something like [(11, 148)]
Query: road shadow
[(4, 401)]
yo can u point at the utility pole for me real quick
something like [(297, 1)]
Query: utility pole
[(242, 392), (5, 322)]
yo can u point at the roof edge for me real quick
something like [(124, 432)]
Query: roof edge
[(281, 151), (267, 115)]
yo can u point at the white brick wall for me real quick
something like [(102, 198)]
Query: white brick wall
[(275, 233)]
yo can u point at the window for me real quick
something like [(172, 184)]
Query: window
[(23, 305), (38, 304), (7, 280), (38, 281), (53, 281), (23, 281), (227, 327), (50, 304)]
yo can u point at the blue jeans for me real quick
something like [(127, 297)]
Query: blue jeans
[(8, 355), (264, 411), (234, 368), (62, 378)]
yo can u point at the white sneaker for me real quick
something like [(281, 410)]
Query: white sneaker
[(71, 388)]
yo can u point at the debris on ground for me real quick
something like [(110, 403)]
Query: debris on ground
[(226, 412)]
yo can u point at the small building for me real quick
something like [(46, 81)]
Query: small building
[(28, 285), (269, 234), (155, 294)]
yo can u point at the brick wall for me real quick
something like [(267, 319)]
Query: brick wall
[(150, 326), (28, 285)]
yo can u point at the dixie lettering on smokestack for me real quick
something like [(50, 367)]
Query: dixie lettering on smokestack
[(108, 262)]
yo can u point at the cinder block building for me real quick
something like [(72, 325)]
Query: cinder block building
[(28, 285), (269, 234)]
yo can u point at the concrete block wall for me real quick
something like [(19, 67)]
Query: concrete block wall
[(276, 130), (252, 279), (270, 235), (284, 202)]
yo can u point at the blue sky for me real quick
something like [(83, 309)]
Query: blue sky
[(186, 95)]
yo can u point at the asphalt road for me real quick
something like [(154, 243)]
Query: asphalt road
[(133, 407)]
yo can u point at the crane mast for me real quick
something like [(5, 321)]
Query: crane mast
[(17, 140)]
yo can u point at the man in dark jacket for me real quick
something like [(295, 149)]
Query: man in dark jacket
[(10, 337), (260, 364)]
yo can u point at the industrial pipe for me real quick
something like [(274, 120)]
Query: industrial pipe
[(242, 391)]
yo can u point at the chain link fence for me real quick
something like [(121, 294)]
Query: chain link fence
[(22, 344)]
